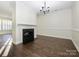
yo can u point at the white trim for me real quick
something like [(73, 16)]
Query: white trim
[(16, 43), (76, 29), (7, 48), (3, 47), (76, 45), (56, 36), (6, 51)]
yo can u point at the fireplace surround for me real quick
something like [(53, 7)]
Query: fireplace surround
[(28, 35)]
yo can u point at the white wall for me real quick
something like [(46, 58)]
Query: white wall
[(25, 18), (56, 24), (14, 21), (24, 14), (75, 24)]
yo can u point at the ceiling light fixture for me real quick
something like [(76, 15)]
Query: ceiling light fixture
[(45, 9)]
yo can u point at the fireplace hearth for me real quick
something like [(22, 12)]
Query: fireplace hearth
[(28, 35)]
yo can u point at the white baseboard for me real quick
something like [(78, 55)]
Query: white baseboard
[(56, 36), (76, 45), (7, 49), (16, 43), (19, 42)]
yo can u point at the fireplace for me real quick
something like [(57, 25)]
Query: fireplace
[(28, 35)]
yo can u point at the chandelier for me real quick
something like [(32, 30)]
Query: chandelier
[(45, 9)]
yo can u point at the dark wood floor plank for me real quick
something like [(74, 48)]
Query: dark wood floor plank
[(45, 46)]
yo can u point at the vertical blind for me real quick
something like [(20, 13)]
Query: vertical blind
[(5, 24)]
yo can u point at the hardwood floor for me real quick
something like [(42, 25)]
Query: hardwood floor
[(45, 46)]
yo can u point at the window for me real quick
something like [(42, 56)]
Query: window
[(0, 24), (10, 25), (5, 24)]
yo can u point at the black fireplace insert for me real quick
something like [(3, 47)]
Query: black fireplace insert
[(28, 35)]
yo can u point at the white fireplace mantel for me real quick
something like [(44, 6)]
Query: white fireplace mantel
[(19, 29), (26, 25)]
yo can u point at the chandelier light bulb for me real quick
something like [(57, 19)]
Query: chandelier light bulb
[(45, 9)]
